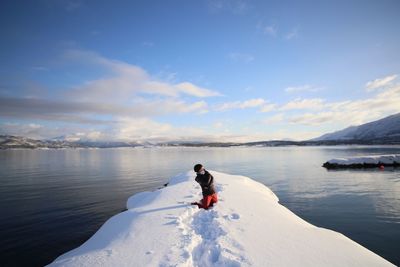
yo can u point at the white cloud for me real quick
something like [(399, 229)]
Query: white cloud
[(218, 124), (144, 129), (274, 119), (270, 30), (229, 105), (88, 112), (292, 34), (130, 127), (314, 118), (302, 88), (124, 105), (191, 89), (313, 103), (270, 134), (346, 113), (241, 57), (267, 107), (127, 94), (150, 130), (379, 83), (251, 103), (127, 81)]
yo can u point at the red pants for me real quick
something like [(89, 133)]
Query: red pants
[(208, 201)]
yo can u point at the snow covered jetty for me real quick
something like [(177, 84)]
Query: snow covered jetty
[(247, 227), (363, 162)]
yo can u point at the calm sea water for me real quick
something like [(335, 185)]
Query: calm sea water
[(51, 201)]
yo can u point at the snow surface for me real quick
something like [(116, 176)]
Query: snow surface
[(375, 159), (247, 227)]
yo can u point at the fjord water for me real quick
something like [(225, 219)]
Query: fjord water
[(51, 201)]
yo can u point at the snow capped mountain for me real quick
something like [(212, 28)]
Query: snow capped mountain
[(9, 141), (386, 128), (383, 131)]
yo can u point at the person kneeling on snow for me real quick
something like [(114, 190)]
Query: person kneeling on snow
[(206, 181)]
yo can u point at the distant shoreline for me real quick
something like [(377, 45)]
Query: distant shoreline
[(197, 146), (17, 142)]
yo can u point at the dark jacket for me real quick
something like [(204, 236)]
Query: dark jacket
[(206, 182)]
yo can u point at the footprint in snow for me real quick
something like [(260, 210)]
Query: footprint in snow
[(220, 187), (233, 216)]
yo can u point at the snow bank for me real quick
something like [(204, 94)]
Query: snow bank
[(363, 162), (247, 227)]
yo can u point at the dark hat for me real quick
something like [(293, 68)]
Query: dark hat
[(197, 167)]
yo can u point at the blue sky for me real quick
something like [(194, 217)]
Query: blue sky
[(196, 70)]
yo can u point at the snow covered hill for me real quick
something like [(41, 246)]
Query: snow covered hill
[(388, 128), (10, 142), (247, 227)]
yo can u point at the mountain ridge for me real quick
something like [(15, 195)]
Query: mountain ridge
[(388, 128), (385, 131)]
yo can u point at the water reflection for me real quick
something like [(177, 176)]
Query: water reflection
[(66, 195)]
